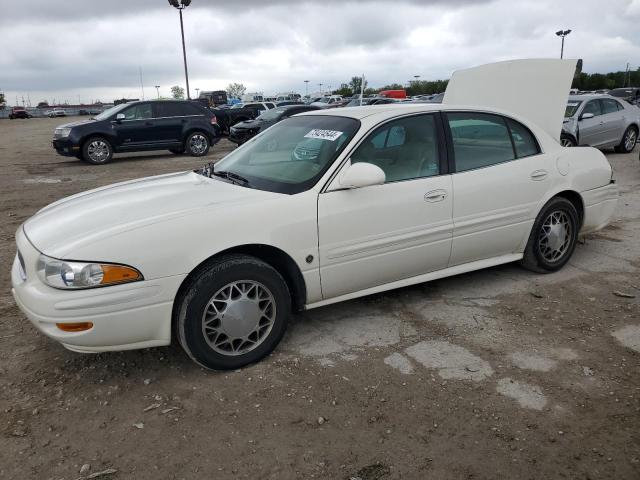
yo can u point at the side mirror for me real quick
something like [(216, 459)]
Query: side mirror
[(120, 117), (584, 116), (362, 174)]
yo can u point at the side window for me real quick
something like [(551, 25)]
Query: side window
[(271, 105), (609, 106), (138, 112), (192, 109), (479, 140), (404, 149), (593, 106), (523, 140), (168, 109)]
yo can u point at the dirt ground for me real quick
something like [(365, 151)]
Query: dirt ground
[(495, 374)]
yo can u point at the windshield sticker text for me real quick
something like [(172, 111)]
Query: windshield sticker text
[(331, 135)]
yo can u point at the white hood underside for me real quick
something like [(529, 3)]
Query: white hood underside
[(534, 89)]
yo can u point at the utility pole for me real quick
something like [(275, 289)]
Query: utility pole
[(306, 88), (158, 90), (181, 5)]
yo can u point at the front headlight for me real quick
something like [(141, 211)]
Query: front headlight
[(75, 275), (61, 132)]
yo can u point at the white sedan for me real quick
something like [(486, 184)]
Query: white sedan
[(317, 209)]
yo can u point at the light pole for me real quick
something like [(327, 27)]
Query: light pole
[(197, 90), (181, 5), (562, 33), (158, 90), (306, 88), (320, 84)]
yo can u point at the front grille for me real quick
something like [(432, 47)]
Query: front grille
[(23, 271)]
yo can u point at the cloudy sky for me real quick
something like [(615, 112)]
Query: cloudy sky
[(95, 48)]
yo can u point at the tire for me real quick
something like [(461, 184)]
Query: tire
[(197, 144), (97, 151), (177, 151), (257, 304), (567, 141), (545, 254), (629, 140)]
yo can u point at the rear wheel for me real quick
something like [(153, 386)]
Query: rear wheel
[(234, 312), (553, 237), (629, 140), (97, 150), (197, 144)]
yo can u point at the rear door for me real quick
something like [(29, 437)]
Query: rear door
[(383, 233), (500, 177), (169, 119), (613, 121)]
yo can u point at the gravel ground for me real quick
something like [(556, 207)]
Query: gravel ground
[(495, 374)]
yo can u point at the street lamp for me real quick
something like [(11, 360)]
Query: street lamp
[(320, 84), (562, 33), (306, 88), (181, 5), (197, 90), (158, 90)]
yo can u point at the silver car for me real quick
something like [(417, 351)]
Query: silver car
[(600, 121)]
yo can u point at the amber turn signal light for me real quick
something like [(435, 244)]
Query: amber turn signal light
[(75, 327), (119, 274)]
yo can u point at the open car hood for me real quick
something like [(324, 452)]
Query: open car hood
[(534, 89)]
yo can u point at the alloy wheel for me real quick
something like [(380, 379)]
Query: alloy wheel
[(239, 317), (566, 142), (98, 151), (555, 236), (198, 144), (630, 139)]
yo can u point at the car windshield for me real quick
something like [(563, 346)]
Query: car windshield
[(238, 105), (324, 100), (572, 108), (292, 155), (357, 102), (621, 92), (272, 114), (111, 111)]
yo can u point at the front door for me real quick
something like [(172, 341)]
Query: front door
[(500, 177), (613, 121), (591, 131), (379, 234), (136, 127)]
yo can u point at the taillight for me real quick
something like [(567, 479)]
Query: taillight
[(214, 120)]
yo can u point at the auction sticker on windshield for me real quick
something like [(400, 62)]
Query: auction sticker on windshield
[(331, 135)]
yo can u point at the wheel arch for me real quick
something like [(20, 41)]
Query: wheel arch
[(576, 199), (194, 129), (107, 137), (273, 256)]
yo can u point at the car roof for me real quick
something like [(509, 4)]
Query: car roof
[(591, 96)]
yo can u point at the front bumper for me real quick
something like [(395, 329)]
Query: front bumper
[(241, 135), (124, 317), (65, 146)]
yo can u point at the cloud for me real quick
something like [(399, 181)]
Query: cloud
[(96, 49)]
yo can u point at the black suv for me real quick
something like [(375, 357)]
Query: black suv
[(174, 125)]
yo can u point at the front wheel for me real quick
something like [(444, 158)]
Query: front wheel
[(553, 237), (197, 144), (97, 150), (628, 141), (234, 312), (567, 141)]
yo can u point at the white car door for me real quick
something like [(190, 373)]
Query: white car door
[(378, 234), (500, 177)]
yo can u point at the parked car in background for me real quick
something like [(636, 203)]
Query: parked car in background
[(630, 94), (240, 112), (174, 125), (56, 112), (324, 102), (320, 208), (600, 121), (284, 103), (252, 97), (19, 112), (243, 131)]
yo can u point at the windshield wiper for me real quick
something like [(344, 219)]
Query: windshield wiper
[(233, 177)]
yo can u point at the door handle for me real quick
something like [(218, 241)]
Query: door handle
[(539, 175), (435, 195)]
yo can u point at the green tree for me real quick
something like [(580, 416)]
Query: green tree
[(2, 100), (344, 90), (356, 83), (236, 90), (177, 92)]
